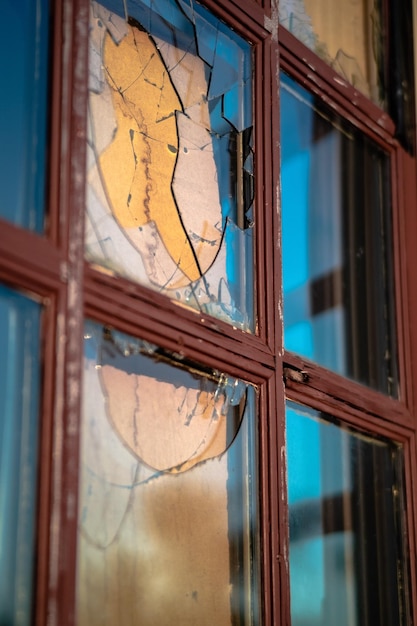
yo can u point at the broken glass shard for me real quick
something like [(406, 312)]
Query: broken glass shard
[(168, 488), (347, 35), (170, 91)]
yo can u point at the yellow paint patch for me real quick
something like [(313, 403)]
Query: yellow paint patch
[(138, 165)]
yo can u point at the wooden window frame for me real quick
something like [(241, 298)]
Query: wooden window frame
[(353, 404), (52, 268)]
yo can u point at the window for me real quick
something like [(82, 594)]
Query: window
[(208, 300), (341, 216), (23, 308), (20, 317)]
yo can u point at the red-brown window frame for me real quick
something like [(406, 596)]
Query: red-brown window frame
[(325, 391), (52, 268)]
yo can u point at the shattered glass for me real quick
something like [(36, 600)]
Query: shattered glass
[(168, 489), (170, 163), (347, 35)]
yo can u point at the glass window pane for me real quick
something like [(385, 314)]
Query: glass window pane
[(19, 414), (347, 35), (347, 558), (337, 250), (168, 504), (24, 48), (169, 198)]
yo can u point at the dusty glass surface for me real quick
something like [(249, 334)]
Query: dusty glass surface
[(24, 47), (169, 198), (168, 499), (339, 307), (347, 34), (346, 504), (19, 413)]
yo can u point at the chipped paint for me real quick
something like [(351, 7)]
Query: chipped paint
[(54, 545), (340, 81), (63, 271), (283, 456), (271, 23)]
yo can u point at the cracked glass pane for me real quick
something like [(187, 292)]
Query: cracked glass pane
[(24, 49), (170, 174), (347, 35), (347, 524), (20, 320), (168, 509)]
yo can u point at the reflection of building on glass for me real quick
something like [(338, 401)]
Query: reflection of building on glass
[(338, 574), (20, 381), (170, 162), (338, 291), (166, 490)]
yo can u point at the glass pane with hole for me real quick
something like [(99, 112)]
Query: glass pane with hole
[(170, 174), (348, 35), (168, 497)]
